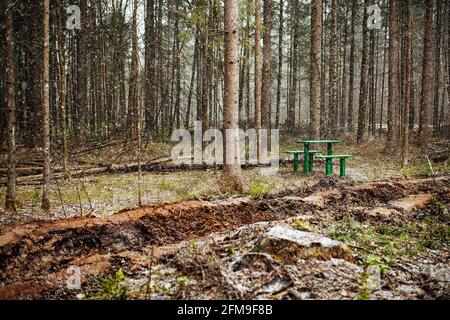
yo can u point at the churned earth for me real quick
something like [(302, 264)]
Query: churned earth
[(333, 239)]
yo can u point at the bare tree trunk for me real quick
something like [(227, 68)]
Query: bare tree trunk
[(257, 68), (448, 60), (133, 100), (383, 81), (315, 68), (407, 91), (393, 76), (63, 90), (343, 114), (424, 119), (266, 97), (333, 71), (280, 63), (350, 125), (294, 66), (362, 113), (45, 108), (10, 203), (232, 167), (82, 72), (191, 87), (437, 67)]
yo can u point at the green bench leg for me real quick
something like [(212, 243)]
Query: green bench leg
[(295, 163), (330, 149), (311, 162), (306, 160), (343, 173), (329, 169)]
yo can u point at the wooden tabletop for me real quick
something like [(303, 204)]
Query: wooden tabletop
[(318, 141)]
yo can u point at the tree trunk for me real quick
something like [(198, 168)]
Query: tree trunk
[(350, 125), (232, 167), (10, 203), (407, 91), (45, 109), (424, 118), (257, 67), (280, 64), (82, 73), (315, 68), (266, 97), (344, 112), (150, 72), (62, 90), (437, 67), (393, 76), (294, 67), (133, 100), (362, 113), (333, 71)]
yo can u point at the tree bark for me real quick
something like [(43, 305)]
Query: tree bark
[(62, 90), (363, 102), (257, 68), (344, 113), (294, 67), (266, 97), (280, 63), (437, 67), (232, 167), (10, 203), (350, 111), (393, 76), (424, 117), (333, 71), (407, 91), (315, 68), (45, 109), (82, 72)]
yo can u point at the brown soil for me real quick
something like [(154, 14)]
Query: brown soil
[(34, 257)]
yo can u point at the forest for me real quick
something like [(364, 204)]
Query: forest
[(136, 138)]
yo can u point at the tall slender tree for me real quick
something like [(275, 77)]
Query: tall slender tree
[(424, 118), (363, 101), (280, 62), (315, 68), (437, 66), (266, 97), (62, 89), (294, 66), (393, 98), (10, 203), (46, 107), (351, 84), (82, 73), (232, 167), (407, 91), (257, 68), (333, 70)]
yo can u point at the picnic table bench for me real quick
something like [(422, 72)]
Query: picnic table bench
[(309, 156), (296, 160), (329, 165)]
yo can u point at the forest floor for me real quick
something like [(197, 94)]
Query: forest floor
[(383, 232)]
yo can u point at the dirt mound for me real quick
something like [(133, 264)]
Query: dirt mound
[(36, 256)]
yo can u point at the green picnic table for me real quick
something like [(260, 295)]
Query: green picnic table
[(307, 167)]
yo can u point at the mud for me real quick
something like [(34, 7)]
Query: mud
[(34, 257)]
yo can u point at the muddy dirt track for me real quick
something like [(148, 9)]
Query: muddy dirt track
[(34, 257)]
